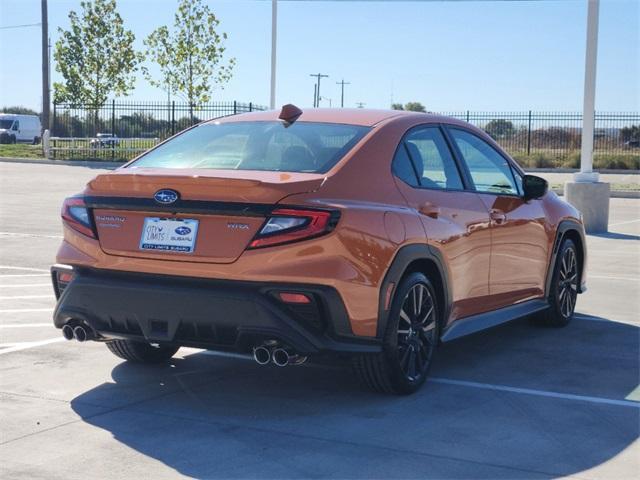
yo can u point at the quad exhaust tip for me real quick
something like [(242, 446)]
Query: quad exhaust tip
[(262, 355), (280, 357), (67, 332), (80, 334)]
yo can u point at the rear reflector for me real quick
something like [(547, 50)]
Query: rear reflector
[(65, 277), (289, 297)]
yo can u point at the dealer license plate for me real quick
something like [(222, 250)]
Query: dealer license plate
[(169, 234)]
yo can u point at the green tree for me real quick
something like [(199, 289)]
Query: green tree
[(95, 56), (397, 106), (191, 56), (415, 107), (630, 134), (499, 128), (19, 110)]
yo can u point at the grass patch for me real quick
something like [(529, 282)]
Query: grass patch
[(600, 161), (20, 150)]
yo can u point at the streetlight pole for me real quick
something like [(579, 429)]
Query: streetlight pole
[(588, 111), (274, 35), (45, 67)]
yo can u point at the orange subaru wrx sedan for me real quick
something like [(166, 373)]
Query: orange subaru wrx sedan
[(371, 234)]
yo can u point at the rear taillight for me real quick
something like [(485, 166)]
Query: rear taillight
[(291, 225), (76, 215)]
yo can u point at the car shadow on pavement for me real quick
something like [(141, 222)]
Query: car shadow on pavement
[(208, 416), (615, 236)]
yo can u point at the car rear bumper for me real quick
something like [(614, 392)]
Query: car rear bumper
[(213, 314)]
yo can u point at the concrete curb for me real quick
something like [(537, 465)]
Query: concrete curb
[(72, 163), (607, 171), (612, 194)]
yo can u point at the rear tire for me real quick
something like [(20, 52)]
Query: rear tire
[(141, 352), (564, 287), (410, 340)]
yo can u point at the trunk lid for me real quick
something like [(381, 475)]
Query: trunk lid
[(222, 210)]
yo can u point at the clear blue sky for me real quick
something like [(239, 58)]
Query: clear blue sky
[(448, 55)]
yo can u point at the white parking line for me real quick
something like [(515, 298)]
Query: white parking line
[(26, 275), (25, 310), (28, 269), (539, 393), (26, 345), (611, 277), (26, 325), (26, 285), (10, 234), (23, 297), (624, 223)]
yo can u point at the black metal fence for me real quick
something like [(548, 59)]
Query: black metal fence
[(543, 139), (79, 130), (554, 138), (137, 119)]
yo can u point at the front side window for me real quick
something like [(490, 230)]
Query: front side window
[(490, 171), (16, 126), (432, 159), (270, 146)]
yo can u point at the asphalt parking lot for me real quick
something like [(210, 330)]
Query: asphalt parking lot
[(515, 402)]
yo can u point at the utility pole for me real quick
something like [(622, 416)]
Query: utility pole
[(45, 67), (342, 84), (316, 100), (315, 93)]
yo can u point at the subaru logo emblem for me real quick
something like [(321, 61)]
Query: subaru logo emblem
[(183, 231), (166, 196)]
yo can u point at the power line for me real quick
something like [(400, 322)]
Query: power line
[(316, 99), (7, 27), (342, 84)]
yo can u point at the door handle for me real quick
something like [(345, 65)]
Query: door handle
[(497, 216), (428, 209)]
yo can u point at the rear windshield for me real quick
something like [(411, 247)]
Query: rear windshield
[(300, 147)]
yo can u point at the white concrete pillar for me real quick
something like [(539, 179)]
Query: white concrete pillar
[(586, 193)]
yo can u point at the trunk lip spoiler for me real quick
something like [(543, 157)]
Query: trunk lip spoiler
[(143, 204)]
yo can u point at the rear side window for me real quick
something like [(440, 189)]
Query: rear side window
[(432, 159), (402, 167), (272, 146)]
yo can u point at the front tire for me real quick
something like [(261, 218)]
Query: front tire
[(564, 287), (409, 343), (141, 352)]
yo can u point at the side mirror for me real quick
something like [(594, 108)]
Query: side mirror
[(534, 187)]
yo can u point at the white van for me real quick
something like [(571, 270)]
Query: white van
[(19, 128)]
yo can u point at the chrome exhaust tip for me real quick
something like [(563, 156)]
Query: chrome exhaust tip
[(280, 357), (262, 355), (67, 332), (80, 333)]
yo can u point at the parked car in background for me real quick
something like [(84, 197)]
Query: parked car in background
[(16, 128), (105, 140), (370, 234)]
